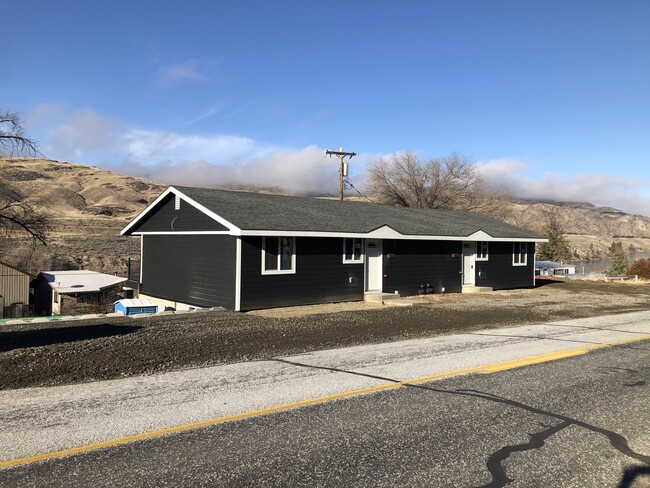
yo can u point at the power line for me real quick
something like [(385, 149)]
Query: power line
[(349, 183), (312, 168)]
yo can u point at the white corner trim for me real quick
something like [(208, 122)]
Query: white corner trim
[(141, 261), (238, 275)]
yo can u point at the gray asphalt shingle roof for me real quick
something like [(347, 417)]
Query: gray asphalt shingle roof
[(257, 211)]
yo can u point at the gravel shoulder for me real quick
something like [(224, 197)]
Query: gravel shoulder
[(96, 349)]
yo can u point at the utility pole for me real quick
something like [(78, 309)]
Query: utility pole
[(341, 154)]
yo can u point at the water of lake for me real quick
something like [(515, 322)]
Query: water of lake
[(600, 266)]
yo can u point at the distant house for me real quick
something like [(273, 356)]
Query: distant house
[(244, 251), (72, 292), (14, 291), (551, 268)]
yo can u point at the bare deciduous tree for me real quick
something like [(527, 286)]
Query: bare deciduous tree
[(16, 214), (13, 140), (452, 182)]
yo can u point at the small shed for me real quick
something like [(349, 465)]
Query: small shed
[(135, 306), (551, 268), (74, 291), (14, 291)]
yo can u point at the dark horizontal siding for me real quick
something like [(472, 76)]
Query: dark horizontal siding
[(194, 269), (164, 218), (498, 271), (408, 265), (321, 276)]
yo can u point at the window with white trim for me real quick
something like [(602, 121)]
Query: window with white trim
[(352, 250), (482, 251), (278, 255), (519, 253)]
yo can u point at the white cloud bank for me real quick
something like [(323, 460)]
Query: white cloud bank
[(221, 160), (628, 194), (209, 160)]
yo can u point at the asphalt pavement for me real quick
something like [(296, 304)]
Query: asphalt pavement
[(579, 421)]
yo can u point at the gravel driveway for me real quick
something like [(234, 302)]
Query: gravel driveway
[(77, 351)]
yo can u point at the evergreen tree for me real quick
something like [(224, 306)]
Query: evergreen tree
[(557, 248), (619, 266)]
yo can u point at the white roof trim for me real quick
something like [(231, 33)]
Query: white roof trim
[(383, 232), (184, 232), (386, 232), (232, 229)]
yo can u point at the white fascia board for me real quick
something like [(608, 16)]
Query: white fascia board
[(184, 232), (232, 229), (386, 233)]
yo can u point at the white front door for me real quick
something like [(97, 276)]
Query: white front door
[(469, 252), (374, 272)]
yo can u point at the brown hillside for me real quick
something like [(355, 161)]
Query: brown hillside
[(585, 224), (88, 207)]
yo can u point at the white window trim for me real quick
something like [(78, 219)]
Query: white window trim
[(361, 255), (487, 254), (279, 271), (514, 244)]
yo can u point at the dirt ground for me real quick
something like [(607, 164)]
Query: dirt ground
[(79, 351)]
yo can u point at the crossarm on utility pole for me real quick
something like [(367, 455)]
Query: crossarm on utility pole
[(341, 154)]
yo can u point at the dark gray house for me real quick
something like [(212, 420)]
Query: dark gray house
[(245, 251)]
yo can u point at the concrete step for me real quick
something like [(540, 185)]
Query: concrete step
[(402, 302), (476, 289), (378, 297)]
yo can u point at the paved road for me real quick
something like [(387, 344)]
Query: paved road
[(579, 421)]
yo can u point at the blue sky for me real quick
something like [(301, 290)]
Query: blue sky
[(551, 99)]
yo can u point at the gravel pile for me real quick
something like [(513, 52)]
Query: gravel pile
[(70, 352)]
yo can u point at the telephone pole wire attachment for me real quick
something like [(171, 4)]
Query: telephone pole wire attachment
[(342, 168)]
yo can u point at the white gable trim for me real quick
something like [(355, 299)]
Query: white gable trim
[(479, 235), (232, 229), (384, 232)]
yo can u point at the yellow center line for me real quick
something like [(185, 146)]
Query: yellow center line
[(485, 369)]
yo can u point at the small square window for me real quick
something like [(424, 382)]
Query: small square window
[(481, 251), (278, 255), (519, 253), (352, 250)]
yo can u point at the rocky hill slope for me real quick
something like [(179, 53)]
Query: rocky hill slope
[(589, 229), (88, 207)]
